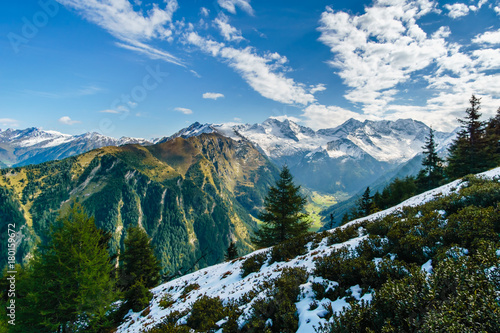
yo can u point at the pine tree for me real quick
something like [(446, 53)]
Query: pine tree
[(493, 139), (432, 172), (69, 283), (346, 218), (232, 252), (138, 260), (469, 152), (283, 216)]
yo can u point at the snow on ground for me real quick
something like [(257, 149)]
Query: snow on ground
[(224, 280)]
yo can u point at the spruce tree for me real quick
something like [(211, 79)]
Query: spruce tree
[(69, 284), (469, 152), (139, 262), (432, 172), (493, 139), (232, 252), (284, 216)]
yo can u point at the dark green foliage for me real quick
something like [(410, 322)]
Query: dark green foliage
[(290, 248), (139, 262), (69, 279), (189, 288), (366, 206), (206, 311), (459, 233), (471, 151), (283, 216), (138, 296), (253, 264), (432, 173), (343, 234), (166, 301), (395, 192), (169, 324), (279, 305), (232, 252)]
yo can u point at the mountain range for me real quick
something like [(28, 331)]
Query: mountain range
[(192, 196), (341, 159)]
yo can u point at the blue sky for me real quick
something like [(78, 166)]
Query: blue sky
[(148, 68)]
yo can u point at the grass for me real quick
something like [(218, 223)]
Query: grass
[(315, 204)]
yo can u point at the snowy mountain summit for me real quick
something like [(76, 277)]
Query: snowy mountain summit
[(34, 145), (388, 141)]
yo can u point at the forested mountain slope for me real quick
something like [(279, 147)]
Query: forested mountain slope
[(192, 196)]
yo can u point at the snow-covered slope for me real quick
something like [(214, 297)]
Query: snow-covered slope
[(225, 281), (34, 145)]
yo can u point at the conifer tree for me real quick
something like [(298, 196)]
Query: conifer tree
[(433, 172), (138, 260), (469, 152), (493, 139), (366, 206), (232, 252), (69, 284), (284, 216)]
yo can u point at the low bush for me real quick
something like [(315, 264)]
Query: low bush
[(253, 264)]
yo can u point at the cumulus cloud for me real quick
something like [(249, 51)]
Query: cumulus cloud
[(230, 5), (68, 121), (457, 10), (211, 95), (264, 73), (230, 33), (184, 110), (489, 37), (9, 122), (497, 10), (380, 49), (131, 28), (319, 116)]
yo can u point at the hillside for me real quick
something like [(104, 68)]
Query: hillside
[(192, 196), (430, 263)]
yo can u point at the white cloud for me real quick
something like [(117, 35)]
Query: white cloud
[(264, 73), (317, 88), (68, 121), (9, 122), (230, 5), (110, 111), (132, 28), (489, 37), (204, 11), (497, 10), (457, 10), (380, 49), (376, 52), (481, 3), (210, 95), (230, 33), (184, 110), (319, 116)]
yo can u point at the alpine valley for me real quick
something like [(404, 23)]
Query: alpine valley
[(197, 190)]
